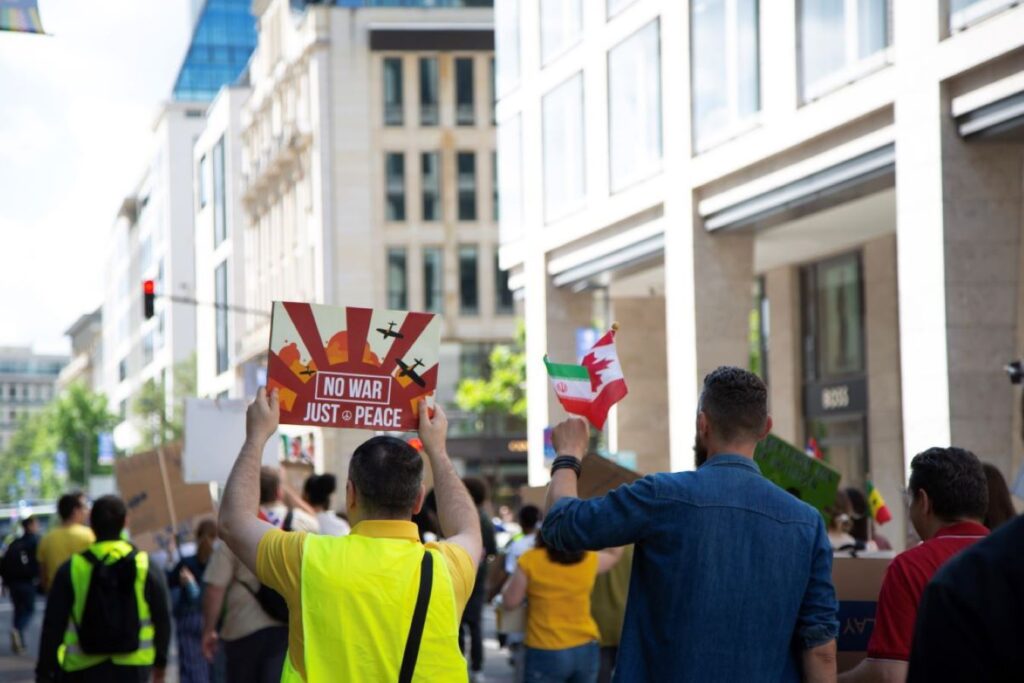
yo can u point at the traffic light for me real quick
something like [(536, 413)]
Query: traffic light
[(148, 298)]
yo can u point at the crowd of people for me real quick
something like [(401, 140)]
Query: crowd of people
[(710, 575)]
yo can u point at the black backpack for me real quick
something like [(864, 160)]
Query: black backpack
[(272, 602), (19, 563), (110, 620)]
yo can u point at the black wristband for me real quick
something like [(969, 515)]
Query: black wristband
[(565, 462)]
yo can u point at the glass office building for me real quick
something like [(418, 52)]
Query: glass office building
[(223, 39)]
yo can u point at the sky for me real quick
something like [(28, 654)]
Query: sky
[(76, 112)]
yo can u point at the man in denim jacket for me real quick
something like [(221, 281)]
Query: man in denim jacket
[(732, 576)]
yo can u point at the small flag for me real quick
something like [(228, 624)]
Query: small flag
[(877, 506), (21, 16), (592, 388), (813, 449)]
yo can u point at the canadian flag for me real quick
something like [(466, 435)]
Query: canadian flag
[(592, 388)]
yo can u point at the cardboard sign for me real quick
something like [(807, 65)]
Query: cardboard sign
[(214, 433), (807, 478), (858, 581), (601, 475), (156, 503), (352, 367)]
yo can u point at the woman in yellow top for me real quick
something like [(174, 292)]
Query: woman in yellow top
[(561, 636)]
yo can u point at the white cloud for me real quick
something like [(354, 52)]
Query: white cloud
[(75, 116)]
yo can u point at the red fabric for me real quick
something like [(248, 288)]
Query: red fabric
[(904, 584)]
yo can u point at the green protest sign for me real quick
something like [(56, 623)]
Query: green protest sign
[(809, 479)]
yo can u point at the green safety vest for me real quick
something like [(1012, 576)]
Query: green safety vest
[(70, 654), (358, 596)]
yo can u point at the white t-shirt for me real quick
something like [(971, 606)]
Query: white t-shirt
[(301, 520), (331, 524), (517, 548)]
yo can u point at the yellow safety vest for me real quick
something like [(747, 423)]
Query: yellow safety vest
[(70, 654), (358, 597)]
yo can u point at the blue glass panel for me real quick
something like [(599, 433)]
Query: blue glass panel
[(223, 39)]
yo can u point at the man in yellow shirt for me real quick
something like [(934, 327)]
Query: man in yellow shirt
[(376, 604), (70, 538)]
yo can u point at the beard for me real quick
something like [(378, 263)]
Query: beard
[(700, 451)]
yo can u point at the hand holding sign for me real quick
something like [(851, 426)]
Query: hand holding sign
[(262, 417), (433, 428)]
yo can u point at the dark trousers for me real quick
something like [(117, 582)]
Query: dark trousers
[(23, 598), (471, 621), (108, 672), (258, 657), (608, 657)]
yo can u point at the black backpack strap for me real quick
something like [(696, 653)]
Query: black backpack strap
[(419, 619), (287, 524)]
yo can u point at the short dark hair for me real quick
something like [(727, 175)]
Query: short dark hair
[(736, 403), (270, 484), (954, 480), (387, 474), (529, 515), (559, 556), (29, 521), (477, 488), (107, 518), (70, 502), (318, 488)]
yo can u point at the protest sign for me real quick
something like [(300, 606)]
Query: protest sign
[(600, 475), (858, 581), (358, 368), (155, 492), (807, 478), (214, 433)]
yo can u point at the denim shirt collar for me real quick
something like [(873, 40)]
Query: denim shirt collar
[(731, 460)]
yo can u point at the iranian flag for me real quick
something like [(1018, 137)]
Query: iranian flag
[(592, 388)]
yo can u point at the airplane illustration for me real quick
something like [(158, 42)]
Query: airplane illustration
[(390, 332), (309, 372), (410, 371)]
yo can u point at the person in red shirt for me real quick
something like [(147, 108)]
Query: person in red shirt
[(948, 497)]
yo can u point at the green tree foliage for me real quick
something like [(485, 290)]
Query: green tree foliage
[(503, 391), (71, 423), (157, 420)]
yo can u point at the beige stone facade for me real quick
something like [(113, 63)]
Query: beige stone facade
[(874, 199)]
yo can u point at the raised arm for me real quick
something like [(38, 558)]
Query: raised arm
[(460, 522), (569, 437), (240, 528)]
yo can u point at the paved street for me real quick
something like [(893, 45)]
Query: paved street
[(15, 669)]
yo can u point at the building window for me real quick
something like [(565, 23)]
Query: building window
[(634, 107), (833, 318), (466, 162), (494, 186), (122, 372), (430, 167), (397, 279), (964, 13), (510, 179), (464, 100), (469, 281), (726, 88), (564, 174), (494, 93), (393, 114), (506, 40), (840, 41), (561, 27), (503, 300), (220, 217), (394, 182), (204, 179), (429, 115), (147, 348), (433, 280), (220, 295)]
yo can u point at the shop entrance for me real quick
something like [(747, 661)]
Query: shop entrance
[(835, 380)]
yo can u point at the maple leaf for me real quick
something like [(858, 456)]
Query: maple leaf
[(595, 366)]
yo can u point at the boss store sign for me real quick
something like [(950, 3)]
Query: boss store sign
[(836, 398)]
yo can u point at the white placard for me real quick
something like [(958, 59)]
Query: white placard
[(214, 433)]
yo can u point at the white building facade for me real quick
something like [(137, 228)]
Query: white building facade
[(27, 383), (368, 161), (827, 194)]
